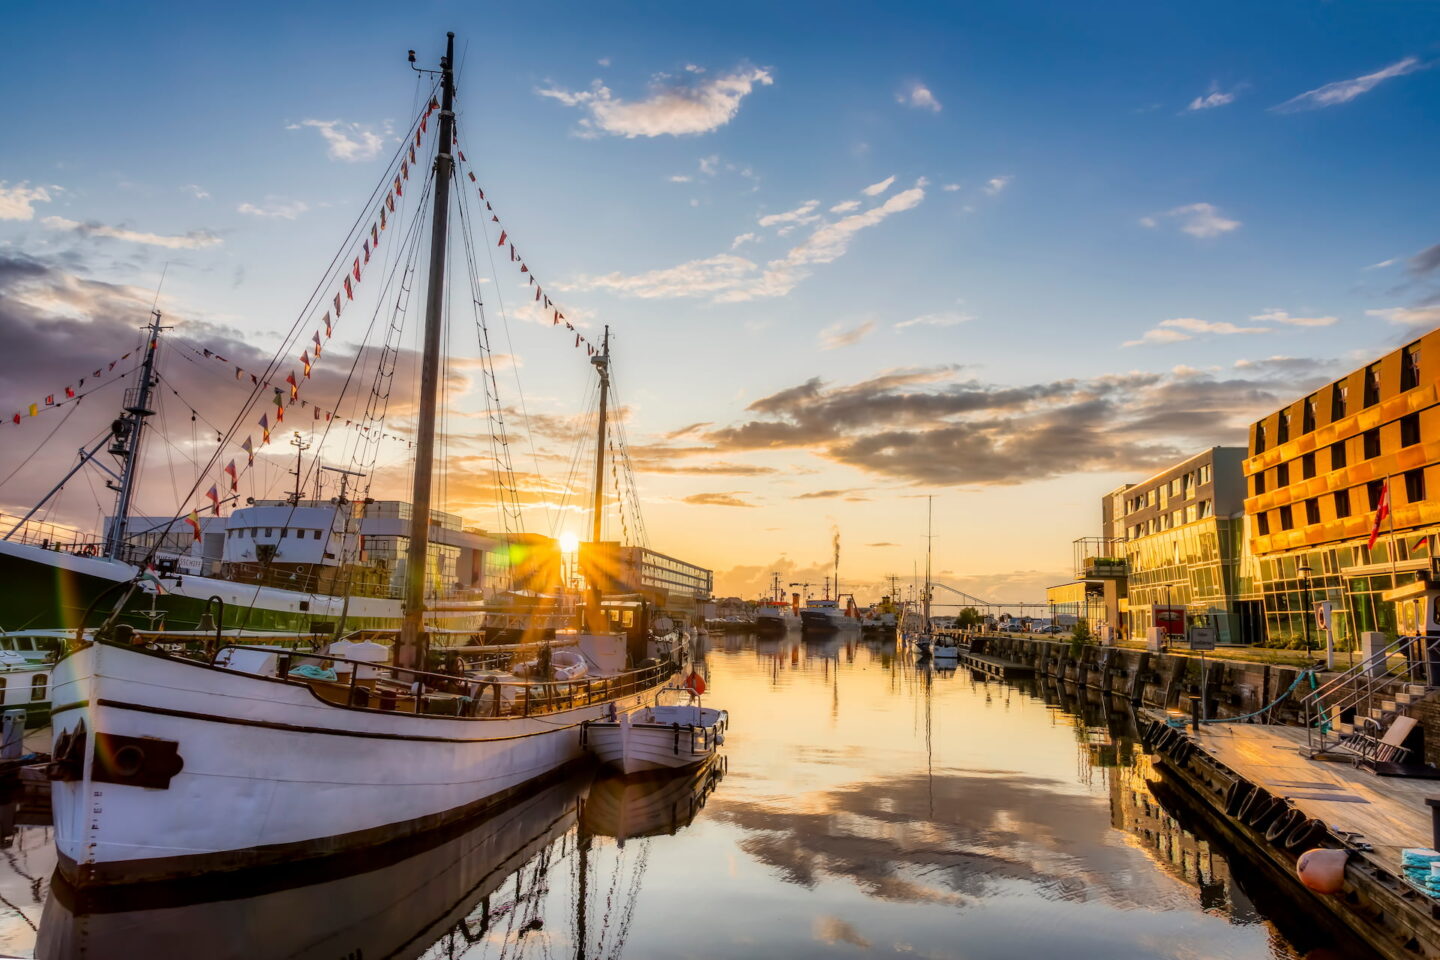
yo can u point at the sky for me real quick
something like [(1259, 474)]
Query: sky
[(1005, 255)]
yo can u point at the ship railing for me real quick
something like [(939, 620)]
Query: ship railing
[(390, 689)]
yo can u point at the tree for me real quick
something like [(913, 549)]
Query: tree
[(968, 617)]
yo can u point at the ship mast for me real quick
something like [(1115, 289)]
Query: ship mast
[(410, 652), (127, 431), (929, 541), (594, 619)]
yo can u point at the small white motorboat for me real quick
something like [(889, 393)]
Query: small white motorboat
[(658, 736), (945, 652)]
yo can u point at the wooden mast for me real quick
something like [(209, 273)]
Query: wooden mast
[(410, 652), (594, 620)]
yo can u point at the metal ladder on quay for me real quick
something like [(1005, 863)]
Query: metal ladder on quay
[(1363, 714)]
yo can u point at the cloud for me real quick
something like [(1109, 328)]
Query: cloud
[(1274, 315), (845, 206), (681, 178), (1213, 99), (17, 202), (803, 214), (674, 107), (192, 240), (945, 319), (930, 426), (918, 95), (950, 187), (716, 500), (1197, 219), (727, 278), (882, 543), (995, 184), (346, 142), (1407, 316), (275, 209), (1422, 263), (1343, 91), (827, 494), (1382, 264), (1182, 328), (875, 189), (196, 191), (743, 239), (835, 336)]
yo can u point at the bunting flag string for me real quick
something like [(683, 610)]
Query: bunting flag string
[(75, 391), (557, 316)]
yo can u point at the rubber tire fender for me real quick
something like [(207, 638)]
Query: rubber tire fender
[(1308, 834), (1283, 824), (1257, 796), (1259, 814), (1235, 797)]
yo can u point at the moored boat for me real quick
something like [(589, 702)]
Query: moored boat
[(658, 736)]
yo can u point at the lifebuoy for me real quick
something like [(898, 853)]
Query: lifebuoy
[(1283, 824)]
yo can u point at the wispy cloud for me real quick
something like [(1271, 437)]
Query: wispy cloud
[(805, 213), (1274, 315), (346, 142), (1407, 316), (944, 319), (695, 104), (681, 178), (918, 95), (1185, 328), (1197, 219), (716, 500), (743, 239), (875, 189), (1215, 98), (836, 336), (950, 187), (193, 240), (17, 202), (274, 209), (1343, 91), (728, 278), (845, 206), (196, 191), (995, 184)]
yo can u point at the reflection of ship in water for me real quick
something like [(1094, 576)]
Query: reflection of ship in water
[(627, 808), (487, 886)]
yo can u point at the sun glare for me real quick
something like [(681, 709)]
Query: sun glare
[(569, 542)]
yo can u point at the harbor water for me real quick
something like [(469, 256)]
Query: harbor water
[(865, 804)]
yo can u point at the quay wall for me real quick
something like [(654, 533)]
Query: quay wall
[(1232, 688)]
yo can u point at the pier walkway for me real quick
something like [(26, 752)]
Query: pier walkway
[(1389, 811)]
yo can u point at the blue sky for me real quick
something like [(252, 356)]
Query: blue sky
[(1068, 179)]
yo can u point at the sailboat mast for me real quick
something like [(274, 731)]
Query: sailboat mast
[(602, 367), (929, 541), (411, 649), (127, 431)]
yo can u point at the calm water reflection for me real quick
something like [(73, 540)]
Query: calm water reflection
[(864, 805)]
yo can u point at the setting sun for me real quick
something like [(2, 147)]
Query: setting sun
[(569, 542)]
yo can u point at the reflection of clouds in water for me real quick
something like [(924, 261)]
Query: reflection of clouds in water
[(834, 930), (987, 831)]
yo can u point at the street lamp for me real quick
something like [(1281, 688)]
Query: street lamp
[(1305, 571)]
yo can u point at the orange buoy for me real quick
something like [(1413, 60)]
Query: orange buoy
[(1322, 870)]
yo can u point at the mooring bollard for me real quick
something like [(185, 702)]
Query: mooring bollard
[(1194, 711), (12, 735)]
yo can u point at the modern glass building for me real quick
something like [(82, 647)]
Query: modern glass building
[(1317, 471)]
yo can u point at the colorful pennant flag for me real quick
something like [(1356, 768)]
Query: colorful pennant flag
[(194, 521), (249, 449), (234, 477)]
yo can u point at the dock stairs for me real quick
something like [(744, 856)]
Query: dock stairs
[(1366, 715)]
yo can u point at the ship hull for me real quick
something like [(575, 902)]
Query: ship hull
[(268, 772), (48, 589)]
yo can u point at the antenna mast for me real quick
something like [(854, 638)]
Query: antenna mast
[(410, 651), (127, 431)]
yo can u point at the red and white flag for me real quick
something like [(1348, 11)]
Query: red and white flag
[(1382, 510)]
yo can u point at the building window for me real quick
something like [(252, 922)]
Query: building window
[(1283, 433), (1410, 367), (37, 688), (1262, 522), (1207, 508), (1372, 443), (1312, 510), (1414, 486), (1282, 475), (1307, 466), (1307, 420), (1410, 430), (1259, 483), (1259, 438), (1339, 393), (1287, 520), (1337, 455), (1342, 504), (1205, 474), (1372, 386), (1372, 493)]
